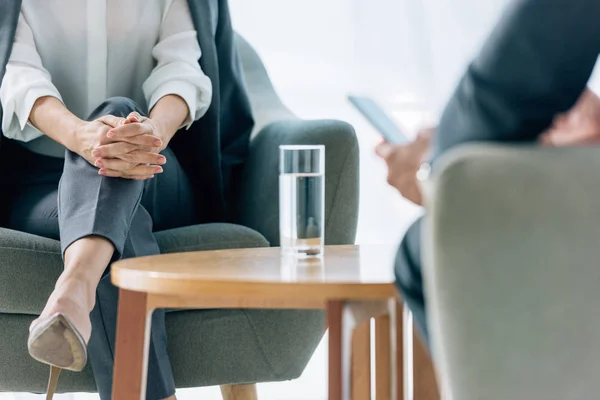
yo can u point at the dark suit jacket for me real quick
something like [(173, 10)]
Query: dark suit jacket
[(213, 150), (534, 65)]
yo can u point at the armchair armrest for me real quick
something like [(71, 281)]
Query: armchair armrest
[(259, 203)]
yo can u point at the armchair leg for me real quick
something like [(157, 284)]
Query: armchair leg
[(239, 392)]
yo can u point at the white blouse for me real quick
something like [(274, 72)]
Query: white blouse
[(85, 51)]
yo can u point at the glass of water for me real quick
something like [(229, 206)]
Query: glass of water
[(302, 200)]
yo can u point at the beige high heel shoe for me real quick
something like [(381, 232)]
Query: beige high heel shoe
[(55, 341), (52, 381)]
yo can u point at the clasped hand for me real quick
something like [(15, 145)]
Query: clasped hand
[(122, 147)]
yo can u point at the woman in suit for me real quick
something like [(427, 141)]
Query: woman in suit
[(93, 93)]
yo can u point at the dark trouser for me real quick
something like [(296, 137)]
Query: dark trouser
[(409, 278), (122, 211)]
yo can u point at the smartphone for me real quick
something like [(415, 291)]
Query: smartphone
[(379, 119)]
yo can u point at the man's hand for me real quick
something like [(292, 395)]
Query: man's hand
[(404, 161), (579, 126), (131, 149)]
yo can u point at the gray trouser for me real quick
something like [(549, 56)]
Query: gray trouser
[(126, 212)]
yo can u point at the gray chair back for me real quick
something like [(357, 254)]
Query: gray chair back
[(266, 104), (512, 270)]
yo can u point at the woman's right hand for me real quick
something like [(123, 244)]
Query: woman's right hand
[(92, 134), (89, 135)]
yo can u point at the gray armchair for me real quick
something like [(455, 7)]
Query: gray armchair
[(512, 273), (225, 346)]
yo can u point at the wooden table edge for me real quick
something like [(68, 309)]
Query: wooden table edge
[(287, 292)]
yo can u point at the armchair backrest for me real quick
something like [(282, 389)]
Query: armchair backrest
[(513, 272), (266, 104)]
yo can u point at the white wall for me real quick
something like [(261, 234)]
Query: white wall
[(317, 51), (385, 47)]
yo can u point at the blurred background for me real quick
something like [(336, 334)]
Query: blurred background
[(408, 54)]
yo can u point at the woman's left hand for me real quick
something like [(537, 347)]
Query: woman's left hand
[(136, 141)]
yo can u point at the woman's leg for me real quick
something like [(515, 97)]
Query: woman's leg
[(94, 217), (168, 201), (101, 218)]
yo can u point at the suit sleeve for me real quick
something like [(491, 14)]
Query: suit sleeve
[(534, 65)]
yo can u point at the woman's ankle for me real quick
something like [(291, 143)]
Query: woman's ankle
[(77, 287), (89, 256)]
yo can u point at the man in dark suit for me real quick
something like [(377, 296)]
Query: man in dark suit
[(523, 87)]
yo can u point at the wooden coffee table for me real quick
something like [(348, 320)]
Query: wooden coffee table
[(353, 283)]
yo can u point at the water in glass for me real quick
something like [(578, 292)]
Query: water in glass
[(302, 213)]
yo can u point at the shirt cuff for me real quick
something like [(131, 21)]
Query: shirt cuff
[(15, 123), (23, 109), (594, 81), (182, 89)]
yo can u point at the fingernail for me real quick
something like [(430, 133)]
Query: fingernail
[(158, 170), (162, 160), (110, 134), (96, 153), (99, 164), (101, 172), (151, 176), (157, 142)]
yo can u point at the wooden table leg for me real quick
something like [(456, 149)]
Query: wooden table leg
[(350, 347), (389, 353), (239, 392), (334, 321), (397, 330), (349, 351), (425, 383), (131, 352), (361, 361), (383, 359)]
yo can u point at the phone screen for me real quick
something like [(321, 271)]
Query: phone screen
[(379, 119)]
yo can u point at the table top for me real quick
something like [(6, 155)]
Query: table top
[(362, 272)]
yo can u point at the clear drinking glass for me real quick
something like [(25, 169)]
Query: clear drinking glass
[(302, 200)]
